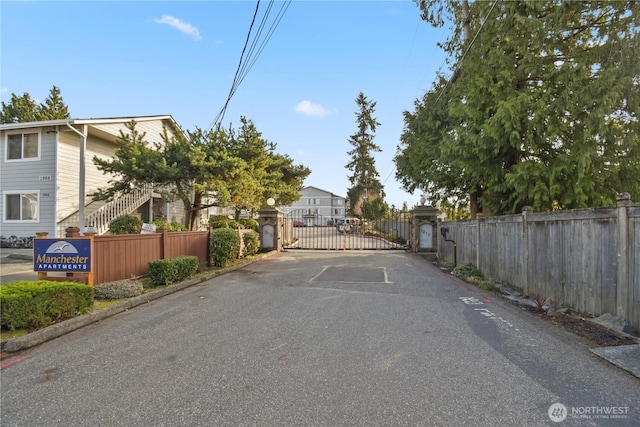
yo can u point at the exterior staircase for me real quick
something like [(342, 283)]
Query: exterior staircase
[(100, 214)]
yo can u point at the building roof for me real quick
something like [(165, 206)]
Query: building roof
[(92, 121)]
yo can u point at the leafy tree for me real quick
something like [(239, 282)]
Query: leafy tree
[(365, 183), (374, 209), (189, 168), (540, 109), (24, 109), (266, 173), (203, 169)]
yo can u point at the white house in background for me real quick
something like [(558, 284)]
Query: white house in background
[(316, 207), (48, 173)]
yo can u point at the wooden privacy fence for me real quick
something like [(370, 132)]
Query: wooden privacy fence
[(586, 259), (124, 256)]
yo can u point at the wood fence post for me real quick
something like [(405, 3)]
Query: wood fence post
[(623, 201), (525, 250), (164, 242), (478, 245), (209, 262)]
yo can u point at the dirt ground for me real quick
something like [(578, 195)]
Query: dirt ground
[(594, 334)]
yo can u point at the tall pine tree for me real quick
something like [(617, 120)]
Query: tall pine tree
[(365, 183)]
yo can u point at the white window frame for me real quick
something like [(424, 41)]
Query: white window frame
[(22, 158), (20, 193)]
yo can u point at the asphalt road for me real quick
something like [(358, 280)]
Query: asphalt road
[(16, 264), (319, 338)]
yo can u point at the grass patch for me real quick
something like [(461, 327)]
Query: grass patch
[(8, 335)]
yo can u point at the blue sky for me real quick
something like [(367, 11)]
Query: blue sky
[(140, 58)]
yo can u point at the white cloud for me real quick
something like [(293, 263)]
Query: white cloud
[(183, 27), (308, 108)]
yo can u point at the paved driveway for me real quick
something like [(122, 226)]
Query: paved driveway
[(16, 264), (319, 339)]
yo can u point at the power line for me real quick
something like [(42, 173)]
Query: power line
[(254, 50)]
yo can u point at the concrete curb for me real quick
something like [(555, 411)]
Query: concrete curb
[(50, 332), (23, 257), (626, 357)]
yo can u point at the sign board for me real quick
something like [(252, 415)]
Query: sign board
[(426, 236), (148, 228), (93, 230), (70, 255)]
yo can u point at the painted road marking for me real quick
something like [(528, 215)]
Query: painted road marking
[(485, 311)]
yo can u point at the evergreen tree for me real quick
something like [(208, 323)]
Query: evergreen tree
[(365, 183), (190, 168), (53, 107), (19, 109), (24, 109), (266, 174), (203, 169), (540, 109)]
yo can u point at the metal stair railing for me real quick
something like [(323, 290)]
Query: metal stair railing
[(102, 217)]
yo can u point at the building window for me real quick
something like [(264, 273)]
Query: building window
[(23, 146), (21, 206), (337, 211), (313, 201)]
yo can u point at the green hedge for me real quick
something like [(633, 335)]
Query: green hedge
[(38, 304), (249, 223), (224, 247), (221, 221), (251, 240), (170, 226), (163, 272), (126, 224)]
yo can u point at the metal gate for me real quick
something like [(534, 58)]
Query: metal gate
[(311, 231)]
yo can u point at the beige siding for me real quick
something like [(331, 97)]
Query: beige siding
[(95, 178), (151, 128), (68, 176)]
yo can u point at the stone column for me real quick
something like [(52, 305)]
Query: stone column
[(424, 236), (271, 223)]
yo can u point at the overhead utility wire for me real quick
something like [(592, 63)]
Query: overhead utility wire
[(220, 115), (249, 53)]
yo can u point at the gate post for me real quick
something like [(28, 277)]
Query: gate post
[(271, 228), (424, 236)]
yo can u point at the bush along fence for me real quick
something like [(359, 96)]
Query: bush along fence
[(585, 259)]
